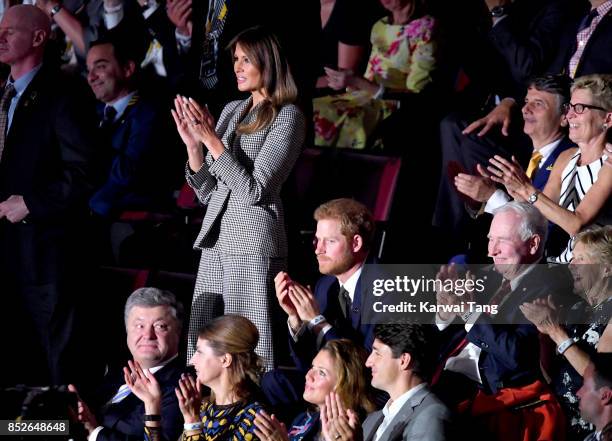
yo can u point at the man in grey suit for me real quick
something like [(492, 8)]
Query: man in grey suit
[(402, 360)]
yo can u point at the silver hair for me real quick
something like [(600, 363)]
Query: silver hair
[(532, 221), (150, 297)]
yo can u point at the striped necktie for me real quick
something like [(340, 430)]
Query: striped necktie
[(5, 104), (123, 392)]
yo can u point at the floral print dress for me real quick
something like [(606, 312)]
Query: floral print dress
[(568, 381), (402, 59)]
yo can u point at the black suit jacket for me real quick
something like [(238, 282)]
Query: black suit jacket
[(595, 58), (122, 421), (47, 159)]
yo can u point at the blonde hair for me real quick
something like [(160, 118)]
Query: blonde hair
[(266, 54), (238, 336), (349, 363), (600, 86), (598, 242)]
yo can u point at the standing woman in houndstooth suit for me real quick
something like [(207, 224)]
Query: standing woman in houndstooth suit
[(237, 169)]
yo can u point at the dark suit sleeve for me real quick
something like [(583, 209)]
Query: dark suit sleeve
[(141, 139), (74, 134), (171, 422), (511, 345), (529, 55)]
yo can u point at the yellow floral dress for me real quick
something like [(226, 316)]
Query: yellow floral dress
[(402, 58)]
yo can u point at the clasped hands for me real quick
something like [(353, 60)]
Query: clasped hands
[(337, 423), (296, 300), (448, 275)]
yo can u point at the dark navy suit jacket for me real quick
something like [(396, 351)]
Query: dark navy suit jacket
[(141, 160), (122, 421), (510, 354), (326, 293), (541, 177)]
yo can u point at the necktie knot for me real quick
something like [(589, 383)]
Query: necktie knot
[(109, 117), (587, 20), (534, 163)]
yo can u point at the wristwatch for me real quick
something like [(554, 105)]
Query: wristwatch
[(565, 345), (54, 10), (498, 11), (533, 197)]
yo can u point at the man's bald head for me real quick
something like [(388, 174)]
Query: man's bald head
[(24, 31), (31, 18)]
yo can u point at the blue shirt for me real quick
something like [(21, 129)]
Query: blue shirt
[(20, 86)]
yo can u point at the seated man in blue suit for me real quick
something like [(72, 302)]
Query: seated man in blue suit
[(345, 229), (133, 127), (545, 124), (153, 321), (489, 366)]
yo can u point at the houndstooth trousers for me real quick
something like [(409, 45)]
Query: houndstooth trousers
[(236, 284)]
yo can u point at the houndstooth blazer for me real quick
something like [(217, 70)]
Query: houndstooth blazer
[(242, 187)]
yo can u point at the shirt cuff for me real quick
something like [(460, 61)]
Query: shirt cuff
[(296, 335), (184, 41), (93, 436), (113, 16), (443, 324), (472, 319), (321, 335), (496, 200)]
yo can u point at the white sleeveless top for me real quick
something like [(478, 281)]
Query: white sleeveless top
[(575, 183)]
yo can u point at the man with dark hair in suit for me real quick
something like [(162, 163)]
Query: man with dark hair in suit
[(596, 394), (402, 361), (46, 148), (134, 128), (545, 124), (153, 321)]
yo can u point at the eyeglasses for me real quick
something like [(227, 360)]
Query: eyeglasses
[(579, 108)]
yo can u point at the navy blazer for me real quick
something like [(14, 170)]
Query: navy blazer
[(595, 58), (326, 293), (509, 342), (123, 421), (140, 159)]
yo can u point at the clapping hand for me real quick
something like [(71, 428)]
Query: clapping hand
[(480, 188), (304, 301), (143, 384), (179, 13), (338, 424), (542, 313), (189, 394), (268, 428), (84, 414), (511, 175)]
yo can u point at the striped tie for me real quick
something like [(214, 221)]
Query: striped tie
[(5, 103), (123, 392)]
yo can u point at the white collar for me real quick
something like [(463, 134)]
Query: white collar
[(351, 284)]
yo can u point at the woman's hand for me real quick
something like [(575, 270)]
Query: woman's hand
[(268, 428), (201, 123), (143, 384), (543, 314), (512, 176), (338, 79), (189, 394), (182, 124), (338, 424)]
